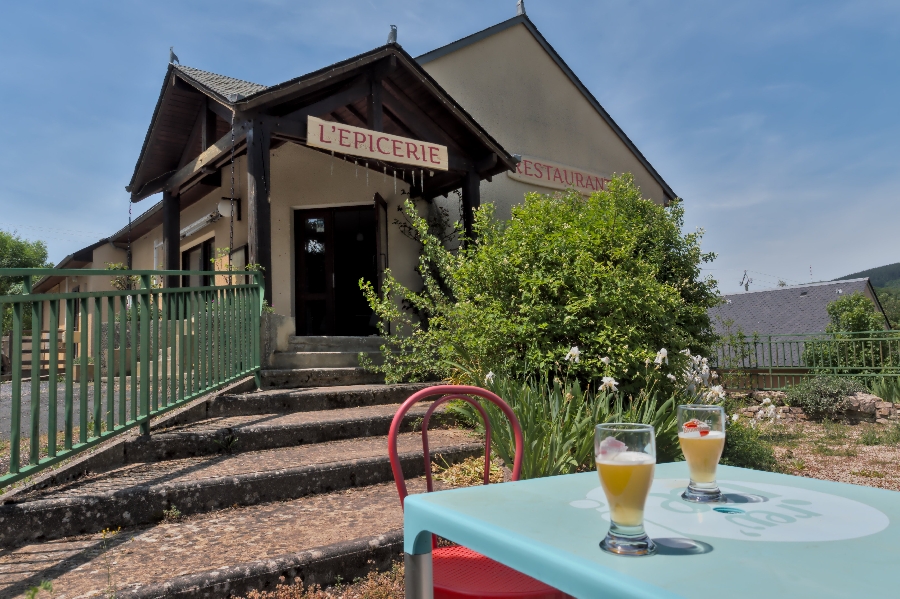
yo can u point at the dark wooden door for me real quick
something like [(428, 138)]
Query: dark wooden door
[(314, 260), (335, 249)]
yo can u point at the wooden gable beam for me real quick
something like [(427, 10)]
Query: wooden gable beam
[(358, 89), (198, 167)]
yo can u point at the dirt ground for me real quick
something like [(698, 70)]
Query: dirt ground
[(860, 454)]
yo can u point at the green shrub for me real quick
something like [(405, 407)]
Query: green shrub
[(745, 448), (823, 397), (558, 419), (887, 388), (611, 274)]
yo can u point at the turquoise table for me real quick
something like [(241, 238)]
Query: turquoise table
[(777, 536)]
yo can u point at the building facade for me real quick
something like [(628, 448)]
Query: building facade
[(305, 178)]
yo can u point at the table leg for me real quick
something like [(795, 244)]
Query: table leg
[(419, 581)]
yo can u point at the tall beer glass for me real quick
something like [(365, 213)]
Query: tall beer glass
[(626, 457), (701, 432)]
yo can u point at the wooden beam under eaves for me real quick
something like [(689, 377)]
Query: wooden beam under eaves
[(195, 168)]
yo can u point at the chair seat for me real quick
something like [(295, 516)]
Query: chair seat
[(461, 573)]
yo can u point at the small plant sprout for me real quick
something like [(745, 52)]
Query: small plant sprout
[(609, 384), (574, 355), (661, 356)]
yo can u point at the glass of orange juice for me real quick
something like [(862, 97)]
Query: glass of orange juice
[(626, 457), (701, 432)]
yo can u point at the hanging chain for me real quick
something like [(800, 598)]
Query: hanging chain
[(231, 197)]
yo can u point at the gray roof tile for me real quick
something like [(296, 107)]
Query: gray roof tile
[(220, 84), (783, 311)]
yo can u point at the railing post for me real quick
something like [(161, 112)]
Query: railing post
[(145, 354), (35, 446)]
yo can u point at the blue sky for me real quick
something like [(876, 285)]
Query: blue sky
[(776, 121)]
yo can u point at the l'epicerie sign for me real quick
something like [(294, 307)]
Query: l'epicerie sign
[(536, 171), (356, 141)]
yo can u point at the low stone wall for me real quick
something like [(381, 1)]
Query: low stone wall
[(862, 407)]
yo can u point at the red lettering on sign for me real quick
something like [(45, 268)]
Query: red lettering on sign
[(556, 175), (566, 173), (378, 144), (603, 183), (538, 173), (358, 137), (398, 145), (341, 139), (371, 149), (579, 180), (527, 168), (590, 183), (433, 155), (322, 134), (412, 150)]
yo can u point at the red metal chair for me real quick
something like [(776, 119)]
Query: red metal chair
[(461, 573)]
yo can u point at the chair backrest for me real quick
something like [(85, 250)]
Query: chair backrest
[(445, 393)]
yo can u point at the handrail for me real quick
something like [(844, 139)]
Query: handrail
[(138, 353)]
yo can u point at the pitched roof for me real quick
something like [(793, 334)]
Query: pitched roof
[(530, 26), (786, 310), (220, 85)]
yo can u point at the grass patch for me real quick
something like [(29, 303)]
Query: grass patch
[(468, 473), (868, 473), (782, 435), (826, 450), (376, 585)]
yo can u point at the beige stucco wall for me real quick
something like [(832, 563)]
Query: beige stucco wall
[(515, 90), (304, 178)]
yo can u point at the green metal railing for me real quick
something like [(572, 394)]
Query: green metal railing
[(775, 362), (136, 353)]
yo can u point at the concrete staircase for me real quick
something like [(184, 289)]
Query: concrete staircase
[(226, 496), (318, 361)]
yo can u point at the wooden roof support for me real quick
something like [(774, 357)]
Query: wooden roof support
[(471, 200), (208, 125), (374, 112), (258, 208), (172, 236)]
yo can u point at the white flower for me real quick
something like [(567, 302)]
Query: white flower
[(574, 355), (489, 378), (685, 352), (672, 377), (766, 401), (715, 394), (609, 383), (661, 356), (734, 418), (605, 360), (714, 375)]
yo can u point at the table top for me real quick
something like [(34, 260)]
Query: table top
[(777, 536)]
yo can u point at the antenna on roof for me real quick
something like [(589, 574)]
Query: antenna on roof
[(392, 36), (520, 8), (745, 282), (173, 58)]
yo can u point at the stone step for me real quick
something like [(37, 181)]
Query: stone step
[(141, 493), (238, 434), (282, 401), (226, 553), (321, 359), (372, 343), (295, 378)]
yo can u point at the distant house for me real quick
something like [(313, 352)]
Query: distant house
[(786, 310)]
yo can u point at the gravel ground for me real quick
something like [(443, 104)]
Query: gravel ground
[(862, 454), (25, 428)]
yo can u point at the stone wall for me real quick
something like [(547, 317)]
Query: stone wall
[(862, 407)]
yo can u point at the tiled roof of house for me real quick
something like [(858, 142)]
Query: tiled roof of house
[(783, 311), (220, 84)]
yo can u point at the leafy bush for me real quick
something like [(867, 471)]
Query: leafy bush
[(745, 448), (611, 274), (887, 388), (823, 397), (558, 419), (853, 313)]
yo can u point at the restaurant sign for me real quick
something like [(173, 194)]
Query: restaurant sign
[(365, 143), (536, 171)]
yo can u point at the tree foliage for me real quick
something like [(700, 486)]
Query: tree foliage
[(16, 252), (611, 274), (853, 313)]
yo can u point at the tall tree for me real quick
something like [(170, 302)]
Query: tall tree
[(16, 252)]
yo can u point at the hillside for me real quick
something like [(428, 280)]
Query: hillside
[(882, 276)]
